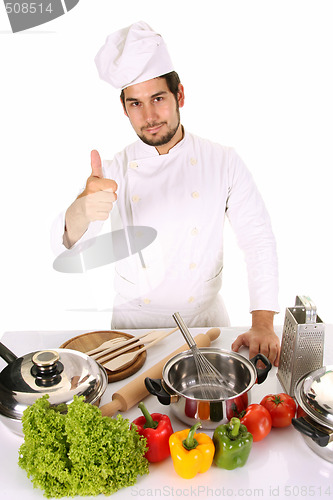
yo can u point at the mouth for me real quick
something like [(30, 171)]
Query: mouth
[(153, 130)]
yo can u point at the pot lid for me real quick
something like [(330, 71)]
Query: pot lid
[(314, 393), (60, 373)]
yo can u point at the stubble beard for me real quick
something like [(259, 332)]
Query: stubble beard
[(161, 141)]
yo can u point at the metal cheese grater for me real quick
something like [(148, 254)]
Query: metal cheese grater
[(302, 346)]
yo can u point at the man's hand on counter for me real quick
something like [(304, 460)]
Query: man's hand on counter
[(260, 338)]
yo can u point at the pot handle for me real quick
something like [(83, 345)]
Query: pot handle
[(261, 372), (154, 386), (318, 436), (6, 354)]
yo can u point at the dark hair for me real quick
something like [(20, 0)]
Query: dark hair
[(172, 79)]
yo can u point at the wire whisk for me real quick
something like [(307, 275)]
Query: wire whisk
[(211, 384)]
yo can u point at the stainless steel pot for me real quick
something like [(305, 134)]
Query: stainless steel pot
[(314, 394), (60, 373), (180, 387)]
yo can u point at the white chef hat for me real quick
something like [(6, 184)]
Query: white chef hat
[(133, 55)]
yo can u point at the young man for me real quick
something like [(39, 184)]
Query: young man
[(182, 186)]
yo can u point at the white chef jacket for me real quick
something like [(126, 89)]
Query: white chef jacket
[(185, 196)]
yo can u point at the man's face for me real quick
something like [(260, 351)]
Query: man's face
[(154, 112)]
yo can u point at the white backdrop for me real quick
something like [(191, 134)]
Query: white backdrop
[(257, 76)]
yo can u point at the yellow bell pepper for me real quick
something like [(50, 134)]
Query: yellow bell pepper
[(190, 452)]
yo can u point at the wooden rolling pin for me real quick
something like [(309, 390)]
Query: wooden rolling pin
[(132, 393)]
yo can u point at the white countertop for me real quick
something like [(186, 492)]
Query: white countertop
[(279, 466)]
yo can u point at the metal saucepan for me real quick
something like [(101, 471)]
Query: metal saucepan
[(60, 373), (180, 387), (314, 394)]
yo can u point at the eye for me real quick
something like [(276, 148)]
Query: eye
[(158, 99), (135, 104)]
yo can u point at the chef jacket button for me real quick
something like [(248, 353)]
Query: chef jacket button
[(191, 299), (194, 231), (133, 164), (135, 198), (146, 301), (193, 161), (195, 194), (192, 265)]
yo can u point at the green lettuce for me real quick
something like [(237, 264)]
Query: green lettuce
[(79, 452)]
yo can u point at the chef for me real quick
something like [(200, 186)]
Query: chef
[(183, 186)]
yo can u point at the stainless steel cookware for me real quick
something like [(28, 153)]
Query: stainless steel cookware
[(302, 346), (60, 373), (314, 394), (180, 386)]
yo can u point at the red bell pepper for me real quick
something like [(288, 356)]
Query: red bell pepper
[(157, 429)]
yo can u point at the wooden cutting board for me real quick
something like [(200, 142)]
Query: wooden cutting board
[(88, 341)]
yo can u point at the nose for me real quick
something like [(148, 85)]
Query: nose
[(150, 114)]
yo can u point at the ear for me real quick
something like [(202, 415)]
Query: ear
[(181, 95), (124, 109)]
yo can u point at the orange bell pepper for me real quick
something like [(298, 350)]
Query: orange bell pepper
[(190, 452)]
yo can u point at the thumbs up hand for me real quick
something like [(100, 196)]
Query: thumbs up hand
[(96, 164), (94, 203), (96, 181)]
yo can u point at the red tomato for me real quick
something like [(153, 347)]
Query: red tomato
[(258, 421), (282, 408)]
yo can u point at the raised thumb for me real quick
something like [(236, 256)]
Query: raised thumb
[(96, 164)]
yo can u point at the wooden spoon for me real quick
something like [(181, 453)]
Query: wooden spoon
[(105, 345), (152, 336), (124, 360), (113, 344)]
